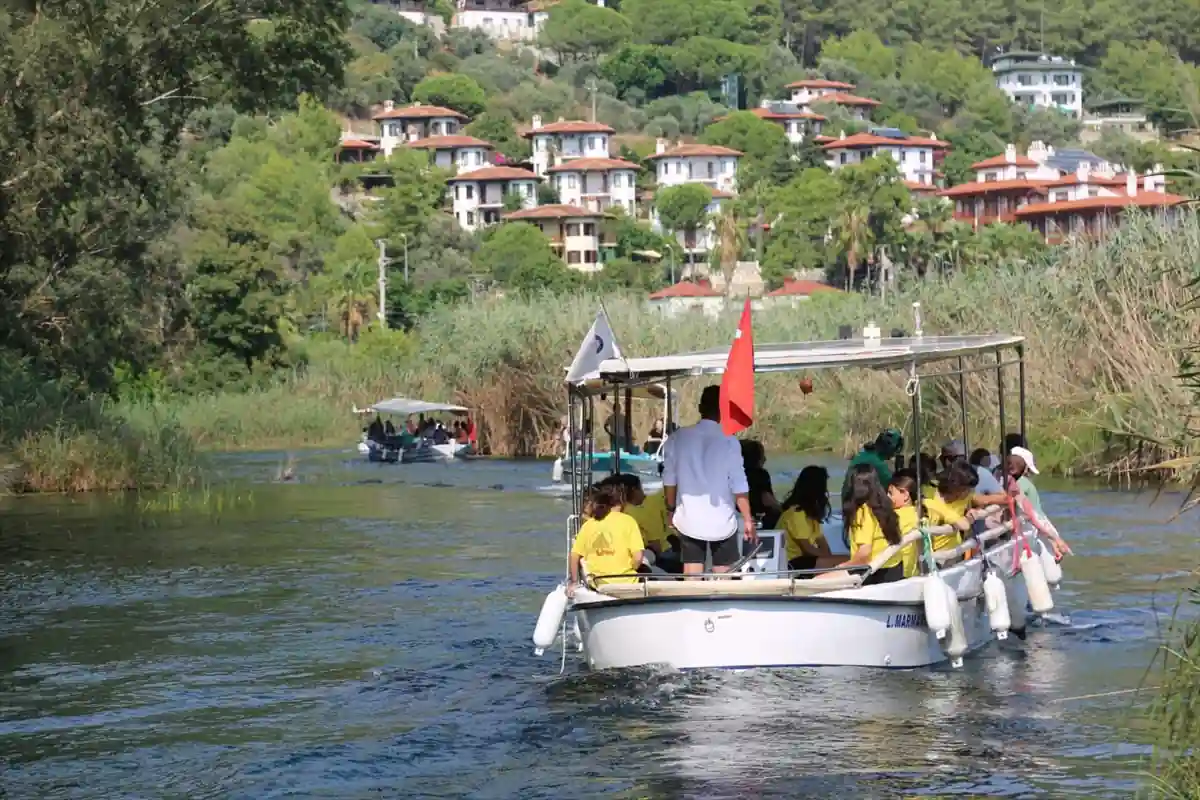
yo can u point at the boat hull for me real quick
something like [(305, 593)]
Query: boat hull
[(876, 626), (758, 632), (434, 452)]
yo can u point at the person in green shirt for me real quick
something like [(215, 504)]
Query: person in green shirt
[(877, 454)]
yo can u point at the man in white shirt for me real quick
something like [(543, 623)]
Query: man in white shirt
[(704, 483)]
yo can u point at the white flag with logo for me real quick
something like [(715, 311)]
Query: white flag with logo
[(597, 346)]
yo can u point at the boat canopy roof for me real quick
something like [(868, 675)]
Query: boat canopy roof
[(404, 405), (784, 357), (594, 385)]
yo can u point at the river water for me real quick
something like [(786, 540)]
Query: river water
[(364, 631)]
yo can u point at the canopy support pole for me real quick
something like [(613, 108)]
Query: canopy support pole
[(1000, 391), (1021, 379), (962, 403), (614, 434), (627, 422), (918, 501)]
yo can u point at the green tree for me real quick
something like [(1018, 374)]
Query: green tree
[(869, 218), (863, 50), (672, 21), (95, 97), (459, 92), (683, 208), (517, 256), (498, 129), (765, 148), (643, 68), (578, 29), (406, 207), (381, 26), (799, 214)]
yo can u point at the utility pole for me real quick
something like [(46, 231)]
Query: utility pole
[(404, 238), (591, 87), (383, 262)]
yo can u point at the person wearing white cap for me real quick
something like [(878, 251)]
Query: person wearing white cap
[(1021, 466)]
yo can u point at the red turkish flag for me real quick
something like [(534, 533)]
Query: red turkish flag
[(737, 384)]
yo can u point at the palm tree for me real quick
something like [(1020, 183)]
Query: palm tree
[(730, 240), (853, 234), (352, 297)]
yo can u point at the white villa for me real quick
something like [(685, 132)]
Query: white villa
[(797, 122), (581, 237), (412, 123), (1041, 81), (455, 152), (566, 139), (508, 20), (596, 183), (711, 166), (914, 155), (477, 196)]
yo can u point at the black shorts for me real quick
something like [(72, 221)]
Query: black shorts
[(725, 553), (885, 575)]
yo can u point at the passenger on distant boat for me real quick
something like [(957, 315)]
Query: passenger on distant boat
[(871, 525), (609, 543), (375, 432), (655, 439), (803, 512)]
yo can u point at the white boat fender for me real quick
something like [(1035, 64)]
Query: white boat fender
[(997, 605), (1018, 599), (937, 605), (1040, 599), (553, 609), (1051, 568), (556, 473), (955, 644)]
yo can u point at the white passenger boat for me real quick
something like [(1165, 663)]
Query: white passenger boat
[(421, 450), (763, 615)]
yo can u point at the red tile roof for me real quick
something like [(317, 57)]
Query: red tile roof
[(418, 111), (447, 142), (987, 187), (685, 150), (843, 99), (558, 211), (913, 186), (824, 139), (1001, 161), (873, 140), (686, 289), (819, 83), (495, 174), (570, 126), (721, 194), (1140, 200), (1073, 179), (592, 165), (766, 113), (357, 144), (795, 288)]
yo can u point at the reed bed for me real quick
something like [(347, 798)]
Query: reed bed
[(1105, 323)]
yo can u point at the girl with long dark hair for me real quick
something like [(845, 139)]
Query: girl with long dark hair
[(870, 524), (803, 512)]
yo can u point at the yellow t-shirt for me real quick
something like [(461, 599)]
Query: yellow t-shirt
[(865, 530), (940, 512), (651, 517), (608, 546), (911, 552), (797, 527)]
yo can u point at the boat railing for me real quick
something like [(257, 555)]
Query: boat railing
[(798, 581)]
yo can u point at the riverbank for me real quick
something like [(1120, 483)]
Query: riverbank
[(1104, 325)]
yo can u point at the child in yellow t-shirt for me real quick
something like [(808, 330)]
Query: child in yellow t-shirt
[(803, 512), (902, 491), (609, 542), (871, 525)]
